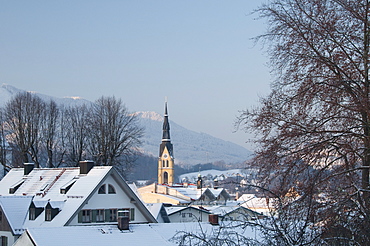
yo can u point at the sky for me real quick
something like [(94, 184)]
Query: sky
[(198, 54)]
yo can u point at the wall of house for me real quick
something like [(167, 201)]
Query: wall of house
[(5, 230), (188, 215), (10, 237), (23, 240), (111, 201), (158, 198)]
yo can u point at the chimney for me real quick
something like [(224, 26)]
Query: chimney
[(28, 167), (123, 219), (86, 166), (213, 219)]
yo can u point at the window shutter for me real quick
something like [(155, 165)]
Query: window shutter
[(80, 217), (93, 216), (107, 215), (132, 214)]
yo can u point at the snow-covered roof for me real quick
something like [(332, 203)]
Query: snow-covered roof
[(176, 209), (179, 200), (158, 234), (253, 202), (96, 235), (15, 209), (225, 210), (154, 208), (192, 193)]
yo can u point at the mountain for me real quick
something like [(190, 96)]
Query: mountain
[(190, 147), (8, 91)]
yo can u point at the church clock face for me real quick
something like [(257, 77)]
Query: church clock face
[(165, 156)]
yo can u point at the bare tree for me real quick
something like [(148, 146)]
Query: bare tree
[(314, 127), (75, 133), (115, 133), (24, 116), (4, 146), (50, 129)]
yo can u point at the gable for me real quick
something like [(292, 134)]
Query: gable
[(14, 211), (105, 202), (4, 223)]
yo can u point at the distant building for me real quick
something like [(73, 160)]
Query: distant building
[(179, 214), (235, 212), (262, 205), (183, 195), (166, 173)]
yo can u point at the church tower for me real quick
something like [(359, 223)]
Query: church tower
[(166, 160)]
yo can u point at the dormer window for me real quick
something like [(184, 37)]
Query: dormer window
[(15, 187), (34, 211), (65, 188), (111, 189), (102, 189), (50, 212)]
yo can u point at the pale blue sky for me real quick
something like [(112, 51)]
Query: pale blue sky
[(198, 53)]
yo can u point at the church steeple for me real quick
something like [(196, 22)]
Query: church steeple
[(166, 126), (166, 159)]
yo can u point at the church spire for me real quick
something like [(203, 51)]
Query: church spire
[(166, 126)]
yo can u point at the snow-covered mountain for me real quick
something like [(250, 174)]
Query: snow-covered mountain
[(190, 147), (8, 91)]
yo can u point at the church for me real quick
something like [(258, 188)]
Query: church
[(166, 160)]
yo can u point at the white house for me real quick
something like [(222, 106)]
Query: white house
[(234, 213), (57, 197), (261, 205), (181, 214)]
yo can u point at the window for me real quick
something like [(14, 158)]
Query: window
[(100, 215), (165, 177), (166, 163), (163, 165), (48, 214), (102, 189), (32, 214), (1, 216), (111, 189), (15, 187), (4, 241), (86, 216), (65, 188)]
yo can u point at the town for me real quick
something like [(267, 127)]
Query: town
[(96, 201)]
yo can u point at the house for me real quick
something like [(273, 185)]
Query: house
[(234, 213), (57, 197), (261, 205), (181, 214)]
